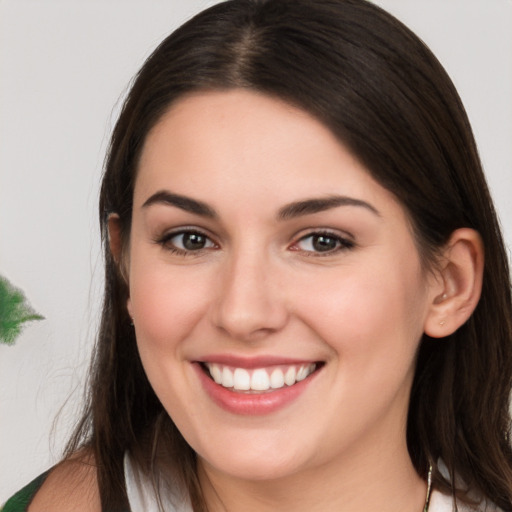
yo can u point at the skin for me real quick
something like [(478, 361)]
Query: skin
[(71, 486), (261, 287), (258, 288)]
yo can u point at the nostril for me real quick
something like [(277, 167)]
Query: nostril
[(250, 320)]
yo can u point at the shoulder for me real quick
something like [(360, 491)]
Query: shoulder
[(70, 486), (443, 503), (21, 500)]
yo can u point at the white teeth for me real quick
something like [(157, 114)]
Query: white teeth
[(216, 373), (302, 373), (277, 379), (241, 379), (289, 376), (227, 378), (259, 379)]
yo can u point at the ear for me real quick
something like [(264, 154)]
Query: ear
[(457, 288), (114, 236), (116, 249)]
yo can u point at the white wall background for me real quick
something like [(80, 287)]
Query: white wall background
[(64, 64)]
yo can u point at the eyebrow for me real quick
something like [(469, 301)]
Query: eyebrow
[(316, 205), (182, 202), (289, 211)]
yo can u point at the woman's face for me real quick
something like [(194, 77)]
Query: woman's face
[(264, 256)]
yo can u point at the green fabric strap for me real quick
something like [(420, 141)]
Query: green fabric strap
[(22, 499)]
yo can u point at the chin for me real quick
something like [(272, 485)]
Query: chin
[(256, 471), (256, 463)]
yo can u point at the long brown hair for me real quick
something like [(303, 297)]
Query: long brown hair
[(386, 97)]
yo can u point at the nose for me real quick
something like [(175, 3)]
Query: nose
[(250, 302)]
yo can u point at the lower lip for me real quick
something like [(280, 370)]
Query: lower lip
[(252, 404)]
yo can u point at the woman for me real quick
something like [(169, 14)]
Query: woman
[(307, 299)]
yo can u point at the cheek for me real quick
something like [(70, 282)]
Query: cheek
[(165, 304), (369, 312)]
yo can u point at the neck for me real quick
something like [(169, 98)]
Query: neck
[(385, 483)]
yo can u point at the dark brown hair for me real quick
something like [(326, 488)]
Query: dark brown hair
[(386, 97)]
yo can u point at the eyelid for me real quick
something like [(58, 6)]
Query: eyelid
[(339, 233), (164, 239), (346, 241)]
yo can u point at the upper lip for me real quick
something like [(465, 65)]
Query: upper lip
[(253, 362)]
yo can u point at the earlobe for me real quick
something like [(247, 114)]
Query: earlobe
[(129, 308), (459, 284)]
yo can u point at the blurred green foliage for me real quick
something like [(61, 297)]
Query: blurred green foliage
[(15, 311)]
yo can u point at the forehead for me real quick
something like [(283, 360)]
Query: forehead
[(241, 143), (230, 124)]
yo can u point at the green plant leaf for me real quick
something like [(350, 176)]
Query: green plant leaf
[(15, 311)]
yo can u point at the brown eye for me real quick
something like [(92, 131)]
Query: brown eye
[(193, 241), (323, 243), (187, 241)]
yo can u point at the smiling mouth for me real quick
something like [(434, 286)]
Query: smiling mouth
[(258, 380)]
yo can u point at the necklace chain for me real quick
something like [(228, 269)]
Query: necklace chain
[(429, 489)]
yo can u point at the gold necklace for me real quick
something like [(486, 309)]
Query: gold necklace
[(429, 489)]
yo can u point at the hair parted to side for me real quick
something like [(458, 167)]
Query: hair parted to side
[(387, 98)]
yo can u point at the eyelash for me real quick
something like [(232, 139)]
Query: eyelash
[(341, 243), (165, 242)]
